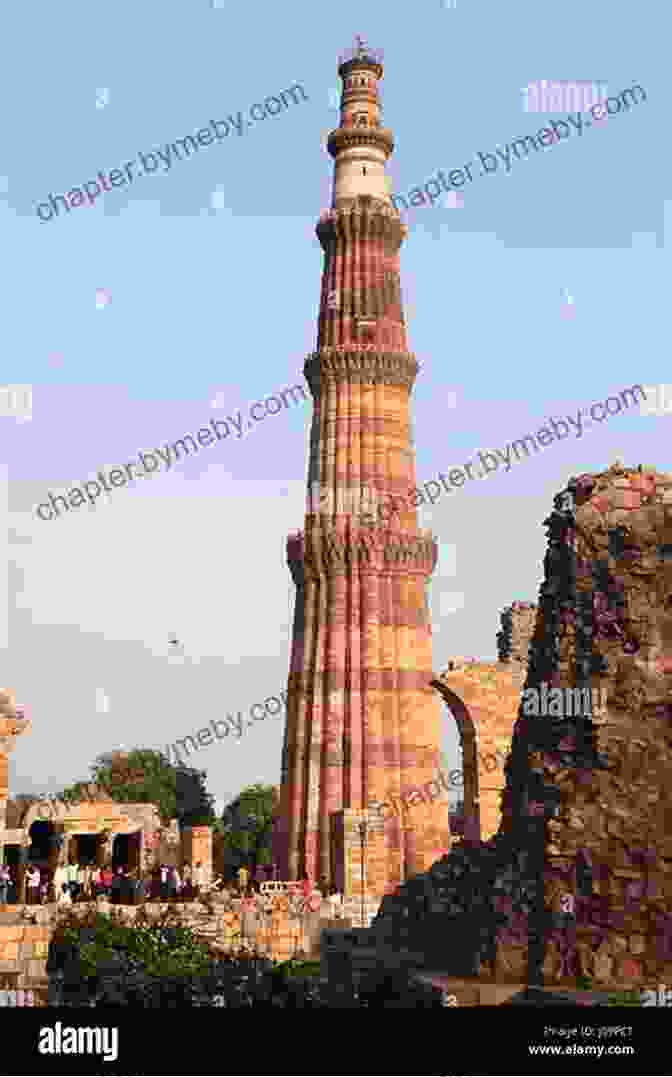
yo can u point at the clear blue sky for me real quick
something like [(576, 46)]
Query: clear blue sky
[(213, 273)]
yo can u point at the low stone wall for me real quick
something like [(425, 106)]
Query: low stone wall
[(24, 947), (231, 928), (236, 927)]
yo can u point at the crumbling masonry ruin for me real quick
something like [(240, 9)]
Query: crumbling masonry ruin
[(586, 809)]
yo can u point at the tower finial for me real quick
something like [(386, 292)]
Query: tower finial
[(361, 45)]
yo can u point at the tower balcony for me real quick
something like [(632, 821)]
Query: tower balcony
[(345, 138), (361, 58), (324, 551)]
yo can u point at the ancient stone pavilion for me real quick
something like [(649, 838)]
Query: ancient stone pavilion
[(363, 722)]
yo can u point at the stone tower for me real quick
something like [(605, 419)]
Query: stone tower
[(362, 720)]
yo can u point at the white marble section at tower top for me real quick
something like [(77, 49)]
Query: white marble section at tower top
[(360, 169)]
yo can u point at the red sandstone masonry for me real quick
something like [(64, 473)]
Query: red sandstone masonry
[(361, 653)]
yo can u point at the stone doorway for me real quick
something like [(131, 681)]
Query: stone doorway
[(87, 849), (126, 851), (12, 858), (43, 851)]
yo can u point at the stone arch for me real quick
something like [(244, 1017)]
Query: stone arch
[(484, 697), (45, 811), (43, 836), (469, 745)]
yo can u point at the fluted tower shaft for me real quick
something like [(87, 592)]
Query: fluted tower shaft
[(363, 724)]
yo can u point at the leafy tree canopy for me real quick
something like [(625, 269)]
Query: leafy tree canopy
[(246, 827), (145, 776)]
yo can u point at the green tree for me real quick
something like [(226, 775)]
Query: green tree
[(247, 828), (145, 776)]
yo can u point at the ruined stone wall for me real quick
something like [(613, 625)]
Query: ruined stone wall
[(513, 639), (605, 785), (601, 784), (594, 790)]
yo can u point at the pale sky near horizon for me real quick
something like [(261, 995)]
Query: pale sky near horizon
[(212, 275)]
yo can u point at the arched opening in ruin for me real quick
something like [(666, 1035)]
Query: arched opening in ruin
[(88, 849), (12, 860), (126, 851), (43, 848), (467, 787)]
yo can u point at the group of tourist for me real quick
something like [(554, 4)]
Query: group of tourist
[(306, 896), (73, 882)]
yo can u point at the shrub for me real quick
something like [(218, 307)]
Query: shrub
[(625, 998), (97, 959)]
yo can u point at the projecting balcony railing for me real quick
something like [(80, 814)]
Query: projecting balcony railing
[(361, 52)]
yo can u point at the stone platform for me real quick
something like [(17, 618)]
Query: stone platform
[(24, 944)]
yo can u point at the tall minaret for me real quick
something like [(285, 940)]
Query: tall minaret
[(363, 723)]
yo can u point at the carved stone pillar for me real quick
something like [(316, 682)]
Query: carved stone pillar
[(106, 847), (12, 724)]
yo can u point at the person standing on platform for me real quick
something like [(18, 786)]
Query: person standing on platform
[(60, 879), (243, 876), (187, 883), (107, 878), (85, 882), (72, 871), (335, 901), (65, 897), (33, 885), (5, 880), (198, 877), (164, 890), (116, 888)]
